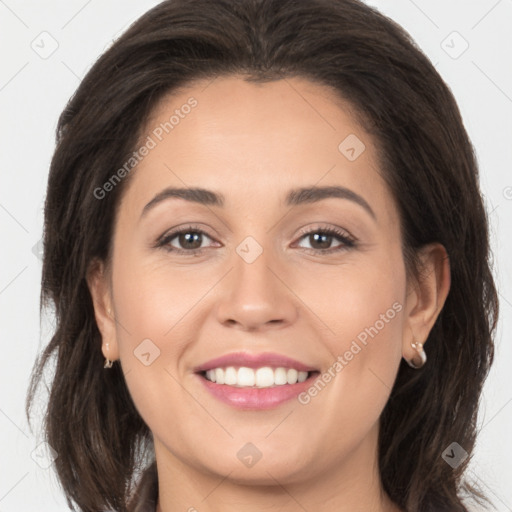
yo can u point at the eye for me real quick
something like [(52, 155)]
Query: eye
[(186, 240), (321, 239), (190, 240)]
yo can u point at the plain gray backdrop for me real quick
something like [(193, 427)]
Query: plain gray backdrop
[(46, 49)]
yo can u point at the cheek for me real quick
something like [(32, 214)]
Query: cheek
[(156, 322), (152, 299), (361, 293), (153, 312), (361, 308), (366, 311)]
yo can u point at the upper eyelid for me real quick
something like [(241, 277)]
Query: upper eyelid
[(303, 231), (331, 229)]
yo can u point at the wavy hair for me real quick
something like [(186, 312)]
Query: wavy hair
[(425, 156)]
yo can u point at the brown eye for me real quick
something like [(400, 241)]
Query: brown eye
[(322, 239), (188, 240)]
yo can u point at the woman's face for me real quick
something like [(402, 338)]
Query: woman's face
[(257, 273)]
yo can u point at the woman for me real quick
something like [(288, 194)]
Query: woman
[(265, 216)]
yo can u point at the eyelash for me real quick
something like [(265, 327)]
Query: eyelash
[(347, 241)]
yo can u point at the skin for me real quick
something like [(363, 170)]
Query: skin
[(253, 143)]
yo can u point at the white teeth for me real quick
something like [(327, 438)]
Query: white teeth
[(245, 376), (264, 377), (230, 376), (280, 376), (219, 376), (291, 376), (302, 376)]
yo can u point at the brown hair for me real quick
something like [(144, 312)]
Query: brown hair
[(426, 158)]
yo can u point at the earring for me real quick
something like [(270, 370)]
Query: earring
[(421, 354), (108, 362)]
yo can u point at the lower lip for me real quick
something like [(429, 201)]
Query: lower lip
[(256, 398)]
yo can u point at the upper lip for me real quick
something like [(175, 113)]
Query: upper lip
[(249, 360)]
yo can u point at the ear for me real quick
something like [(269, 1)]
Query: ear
[(98, 281), (426, 296)]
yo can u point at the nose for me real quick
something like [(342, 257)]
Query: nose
[(255, 296)]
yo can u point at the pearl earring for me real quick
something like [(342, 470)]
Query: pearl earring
[(418, 346)]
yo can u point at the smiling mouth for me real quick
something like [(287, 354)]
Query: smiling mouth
[(260, 378)]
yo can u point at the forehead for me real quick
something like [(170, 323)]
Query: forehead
[(255, 139)]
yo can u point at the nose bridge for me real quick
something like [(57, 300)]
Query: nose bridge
[(252, 274), (253, 296)]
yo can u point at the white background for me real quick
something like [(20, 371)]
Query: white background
[(33, 92)]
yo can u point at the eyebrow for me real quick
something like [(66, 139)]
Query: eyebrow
[(295, 197)]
